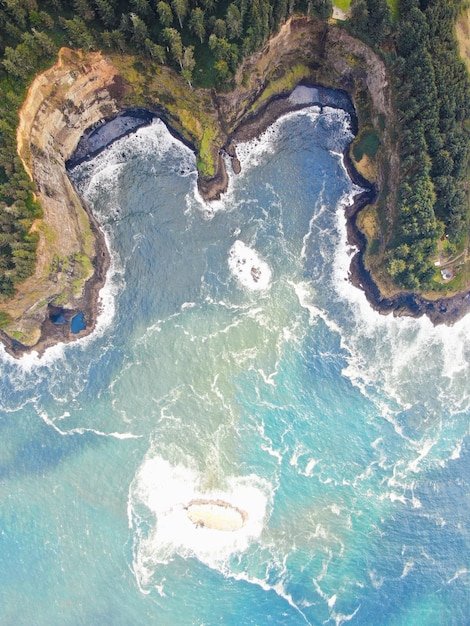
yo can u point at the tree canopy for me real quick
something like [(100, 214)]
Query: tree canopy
[(205, 40)]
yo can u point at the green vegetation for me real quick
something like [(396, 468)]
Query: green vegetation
[(345, 5), (205, 41), (342, 4), (368, 143), (394, 8), (432, 93), (285, 84), (5, 319)]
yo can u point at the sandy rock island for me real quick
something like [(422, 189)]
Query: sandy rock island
[(216, 515)]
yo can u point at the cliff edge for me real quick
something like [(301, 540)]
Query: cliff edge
[(82, 90)]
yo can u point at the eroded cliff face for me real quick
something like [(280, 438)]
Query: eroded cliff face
[(309, 51), (61, 104), (83, 89)]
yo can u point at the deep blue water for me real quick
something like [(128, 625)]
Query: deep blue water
[(342, 434), (77, 323)]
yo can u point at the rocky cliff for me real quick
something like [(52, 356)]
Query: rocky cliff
[(83, 89), (60, 105)]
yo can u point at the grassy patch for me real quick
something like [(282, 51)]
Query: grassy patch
[(367, 224), (205, 160), (463, 36), (394, 5), (60, 299), (49, 234), (285, 84), (85, 265), (345, 5), (5, 319), (367, 144), (77, 287), (191, 124), (342, 4)]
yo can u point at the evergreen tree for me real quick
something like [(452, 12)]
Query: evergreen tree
[(114, 39), (280, 11), (106, 13), (379, 20), (322, 8), (78, 32), (234, 22), (220, 29), (180, 7), (155, 51), (164, 13), (84, 9), (196, 23), (188, 64), (139, 31), (175, 45), (142, 8)]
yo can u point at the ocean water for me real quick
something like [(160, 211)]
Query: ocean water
[(234, 360)]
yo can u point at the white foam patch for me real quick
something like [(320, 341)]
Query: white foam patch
[(339, 122), (278, 588), (335, 120), (154, 142), (165, 490), (460, 572), (249, 269), (409, 565), (306, 297), (82, 431), (252, 153), (398, 355)]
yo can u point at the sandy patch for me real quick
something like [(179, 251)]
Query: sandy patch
[(338, 14), (463, 35), (216, 515)]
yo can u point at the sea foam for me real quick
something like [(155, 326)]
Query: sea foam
[(165, 490), (249, 269)]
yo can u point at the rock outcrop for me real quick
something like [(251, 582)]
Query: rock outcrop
[(72, 257)]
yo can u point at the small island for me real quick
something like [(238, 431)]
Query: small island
[(85, 91), (215, 515)]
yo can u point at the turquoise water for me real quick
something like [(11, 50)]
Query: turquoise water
[(342, 434)]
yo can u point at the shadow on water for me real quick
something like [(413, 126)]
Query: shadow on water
[(43, 450)]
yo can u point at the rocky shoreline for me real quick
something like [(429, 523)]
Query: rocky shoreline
[(85, 102), (88, 305), (97, 139), (440, 311)]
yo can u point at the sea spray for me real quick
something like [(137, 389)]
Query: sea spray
[(167, 491)]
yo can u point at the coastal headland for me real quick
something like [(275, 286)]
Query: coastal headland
[(84, 91)]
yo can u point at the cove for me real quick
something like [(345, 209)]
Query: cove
[(337, 435)]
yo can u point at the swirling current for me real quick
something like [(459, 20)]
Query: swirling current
[(234, 361)]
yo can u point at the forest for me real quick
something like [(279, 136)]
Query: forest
[(431, 98), (205, 40)]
